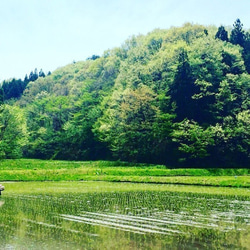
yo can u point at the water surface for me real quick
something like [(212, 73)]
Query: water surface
[(97, 215)]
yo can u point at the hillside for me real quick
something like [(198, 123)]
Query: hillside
[(176, 97)]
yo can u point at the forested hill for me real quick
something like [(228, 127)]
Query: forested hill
[(178, 97)]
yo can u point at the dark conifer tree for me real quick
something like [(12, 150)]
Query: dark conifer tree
[(222, 34), (41, 73), (183, 88), (5, 89), (25, 82), (33, 75), (246, 52), (93, 57), (237, 36), (1, 96), (26, 79), (14, 88)]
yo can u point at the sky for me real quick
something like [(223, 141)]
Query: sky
[(48, 34)]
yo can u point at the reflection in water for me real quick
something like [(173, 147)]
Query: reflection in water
[(125, 220)]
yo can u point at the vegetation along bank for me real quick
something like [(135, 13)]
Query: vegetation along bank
[(43, 170)]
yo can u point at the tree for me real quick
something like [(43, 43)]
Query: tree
[(237, 36), (1, 96), (26, 79), (154, 45), (13, 131), (78, 131), (183, 88), (12, 89), (25, 82), (15, 88), (193, 141), (41, 73), (222, 34), (233, 96), (246, 52), (45, 118), (128, 124), (232, 60), (93, 57), (231, 141), (33, 76)]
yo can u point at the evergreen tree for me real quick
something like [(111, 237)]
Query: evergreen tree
[(26, 79), (183, 88), (246, 52), (5, 89), (25, 82), (41, 73), (33, 75), (1, 96), (93, 57), (222, 34), (237, 36)]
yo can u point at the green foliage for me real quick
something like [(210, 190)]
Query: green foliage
[(232, 140), (45, 118), (192, 139), (233, 95), (13, 131), (129, 119), (176, 96), (14, 88)]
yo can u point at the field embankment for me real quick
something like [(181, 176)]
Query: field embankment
[(40, 170)]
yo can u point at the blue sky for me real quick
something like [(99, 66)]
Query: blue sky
[(49, 34)]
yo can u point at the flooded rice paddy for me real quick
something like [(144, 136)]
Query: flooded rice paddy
[(97, 215)]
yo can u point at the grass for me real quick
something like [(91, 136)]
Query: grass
[(94, 187), (41, 170)]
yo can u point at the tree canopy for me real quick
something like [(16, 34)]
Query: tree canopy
[(177, 97)]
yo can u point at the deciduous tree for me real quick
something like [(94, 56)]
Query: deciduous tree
[(13, 131)]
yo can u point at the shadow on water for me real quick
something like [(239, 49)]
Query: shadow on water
[(143, 219)]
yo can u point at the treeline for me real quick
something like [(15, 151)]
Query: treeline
[(14, 88), (178, 97), (237, 37)]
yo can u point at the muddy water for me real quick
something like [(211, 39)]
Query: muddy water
[(121, 216)]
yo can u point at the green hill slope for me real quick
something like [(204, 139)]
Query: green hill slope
[(178, 96)]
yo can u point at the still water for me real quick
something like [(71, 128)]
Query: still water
[(98, 215)]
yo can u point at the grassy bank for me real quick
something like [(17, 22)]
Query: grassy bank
[(39, 170)]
